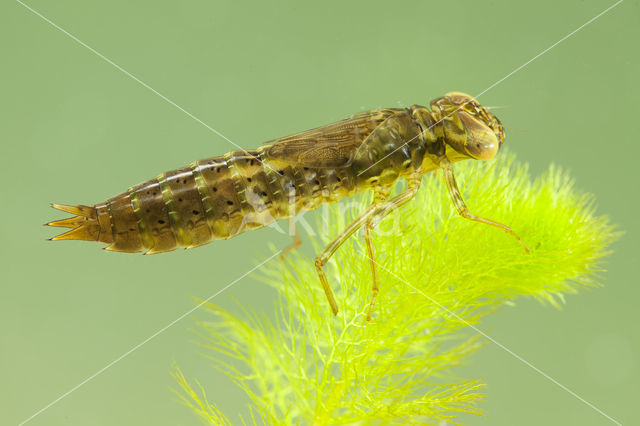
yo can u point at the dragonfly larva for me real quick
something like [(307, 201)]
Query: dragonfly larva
[(220, 197)]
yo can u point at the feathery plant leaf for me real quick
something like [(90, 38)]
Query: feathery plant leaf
[(439, 274)]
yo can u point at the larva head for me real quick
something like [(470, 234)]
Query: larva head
[(468, 127)]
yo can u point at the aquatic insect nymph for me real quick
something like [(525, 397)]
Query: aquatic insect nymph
[(220, 197)]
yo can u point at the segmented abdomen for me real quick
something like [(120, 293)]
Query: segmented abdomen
[(215, 198)]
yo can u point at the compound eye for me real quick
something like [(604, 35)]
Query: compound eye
[(482, 143)]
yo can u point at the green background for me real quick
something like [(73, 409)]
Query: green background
[(75, 129)]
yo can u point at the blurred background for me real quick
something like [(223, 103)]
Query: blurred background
[(75, 129)]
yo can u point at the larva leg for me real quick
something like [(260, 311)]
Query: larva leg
[(296, 239), (369, 213), (328, 251), (456, 197), (385, 209), (379, 195)]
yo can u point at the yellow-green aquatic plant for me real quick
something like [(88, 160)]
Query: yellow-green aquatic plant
[(439, 275)]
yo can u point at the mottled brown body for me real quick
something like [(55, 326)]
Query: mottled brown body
[(220, 197), (216, 198)]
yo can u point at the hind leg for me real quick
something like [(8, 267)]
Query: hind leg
[(296, 239)]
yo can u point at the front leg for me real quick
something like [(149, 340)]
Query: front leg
[(456, 197)]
